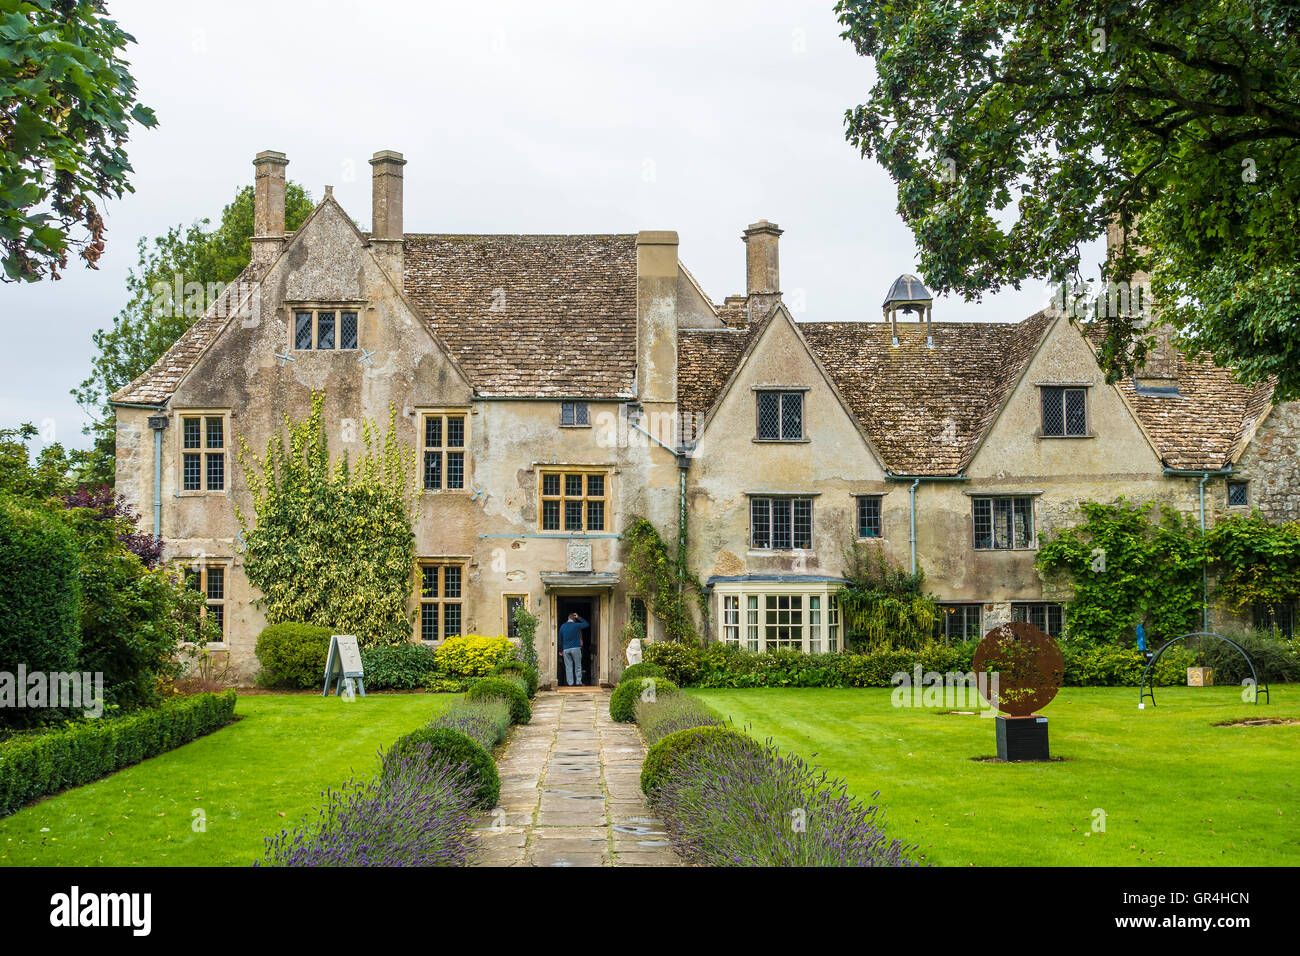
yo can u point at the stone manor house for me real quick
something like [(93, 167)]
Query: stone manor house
[(553, 386)]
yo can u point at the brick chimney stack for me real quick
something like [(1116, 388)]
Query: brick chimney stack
[(268, 204), (762, 268)]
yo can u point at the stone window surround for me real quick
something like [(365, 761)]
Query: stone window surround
[(424, 412), (857, 498), (200, 564), (562, 470), (1228, 487), (810, 496), (441, 561), (581, 414), (506, 617), (203, 414), (828, 612), (1033, 517), (1086, 388), (316, 306), (802, 390)]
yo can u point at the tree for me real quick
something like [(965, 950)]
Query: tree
[(176, 278), (67, 101), (1018, 130)]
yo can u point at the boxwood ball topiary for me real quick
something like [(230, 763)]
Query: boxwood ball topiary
[(529, 674), (454, 748), (627, 692), (509, 691), (643, 669), (660, 759)]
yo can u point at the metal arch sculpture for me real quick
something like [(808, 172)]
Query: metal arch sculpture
[(1148, 689)]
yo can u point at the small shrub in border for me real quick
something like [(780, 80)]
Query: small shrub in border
[(664, 755), (730, 805), (416, 813), (665, 715), (397, 666), (473, 655), (529, 674), (509, 691), (486, 721), (629, 691), (292, 655), (435, 683), (33, 766), (643, 669), (455, 749)]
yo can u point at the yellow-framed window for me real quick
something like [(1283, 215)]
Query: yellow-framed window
[(446, 450), (442, 590), (203, 440), (573, 501), (209, 579)]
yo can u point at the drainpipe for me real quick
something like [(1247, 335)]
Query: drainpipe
[(1205, 558), (158, 423), (916, 480)]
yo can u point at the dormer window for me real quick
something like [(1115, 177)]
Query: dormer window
[(325, 329)]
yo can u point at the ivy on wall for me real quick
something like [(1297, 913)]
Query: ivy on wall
[(883, 606), (661, 580), (1128, 564), (332, 544), (1257, 563)]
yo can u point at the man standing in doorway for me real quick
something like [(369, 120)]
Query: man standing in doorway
[(571, 642)]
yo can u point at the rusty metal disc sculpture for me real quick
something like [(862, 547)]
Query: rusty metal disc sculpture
[(1029, 665)]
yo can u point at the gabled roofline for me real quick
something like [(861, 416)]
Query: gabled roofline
[(763, 327)]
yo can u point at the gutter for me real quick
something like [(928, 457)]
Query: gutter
[(916, 480), (158, 423), (1205, 476)]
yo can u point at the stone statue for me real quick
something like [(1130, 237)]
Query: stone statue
[(634, 651)]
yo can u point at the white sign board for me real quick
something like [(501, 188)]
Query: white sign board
[(343, 664)]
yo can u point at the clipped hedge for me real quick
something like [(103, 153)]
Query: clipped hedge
[(397, 666), (659, 759), (509, 691), (666, 715), (629, 692), (529, 674), (442, 684), (643, 669), (292, 656), (40, 593), (38, 765), (726, 666), (455, 749)]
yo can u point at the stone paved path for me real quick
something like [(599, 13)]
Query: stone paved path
[(570, 792)]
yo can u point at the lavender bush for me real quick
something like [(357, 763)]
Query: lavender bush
[(414, 813), (486, 721), (662, 716), (727, 806)]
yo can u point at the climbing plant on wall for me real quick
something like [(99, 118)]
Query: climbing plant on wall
[(661, 580), (1128, 564), (1256, 563), (332, 544), (883, 606)]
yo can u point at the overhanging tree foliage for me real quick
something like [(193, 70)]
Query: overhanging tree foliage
[(177, 277), (332, 544), (1017, 130), (67, 100)]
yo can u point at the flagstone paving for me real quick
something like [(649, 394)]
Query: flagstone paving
[(571, 792)]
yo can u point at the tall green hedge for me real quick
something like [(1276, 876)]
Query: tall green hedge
[(40, 764), (40, 594)]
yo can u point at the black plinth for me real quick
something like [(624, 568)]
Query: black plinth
[(1022, 738)]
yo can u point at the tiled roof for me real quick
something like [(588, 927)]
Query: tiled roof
[(925, 409), (531, 316), (157, 383), (705, 360), (1203, 424)]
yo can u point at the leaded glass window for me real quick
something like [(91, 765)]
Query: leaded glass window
[(780, 416)]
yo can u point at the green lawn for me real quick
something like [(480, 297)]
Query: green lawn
[(253, 777), (1176, 790)]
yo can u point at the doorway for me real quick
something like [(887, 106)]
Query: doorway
[(588, 609)]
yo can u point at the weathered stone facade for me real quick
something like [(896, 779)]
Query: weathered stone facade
[(589, 379)]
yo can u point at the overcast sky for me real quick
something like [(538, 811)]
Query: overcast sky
[(514, 117)]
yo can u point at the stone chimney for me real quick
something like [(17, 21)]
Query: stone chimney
[(656, 319), (386, 207), (1159, 372), (268, 205), (762, 268)]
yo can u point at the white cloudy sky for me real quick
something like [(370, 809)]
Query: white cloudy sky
[(602, 116)]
